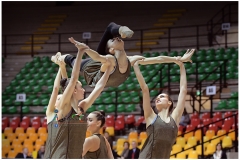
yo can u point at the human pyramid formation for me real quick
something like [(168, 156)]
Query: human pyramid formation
[(108, 66)]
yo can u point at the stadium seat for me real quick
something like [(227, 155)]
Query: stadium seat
[(207, 121), (226, 127), (12, 154), (43, 136), (140, 119), (36, 125), (142, 135), (211, 148), (110, 130), (195, 122), (33, 137), (210, 134), (176, 148), (181, 141), (5, 150), (41, 130), (119, 125), (30, 130), (206, 115), (220, 133), (121, 108), (198, 134), (232, 134), (4, 125), (11, 137), (227, 114), (213, 127), (186, 147), (192, 141), (218, 124), (193, 155), (181, 155), (133, 135), (130, 119), (215, 141), (195, 115), (24, 125), (227, 142), (16, 142), (8, 130)]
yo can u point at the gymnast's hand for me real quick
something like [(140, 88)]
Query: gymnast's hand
[(80, 46), (133, 59), (187, 56)]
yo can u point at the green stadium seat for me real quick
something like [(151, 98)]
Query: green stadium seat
[(230, 75), (122, 87), (45, 59), (130, 108), (44, 101), (42, 70), (209, 69), (36, 102), (234, 95), (201, 58), (214, 63), (144, 73), (155, 54), (232, 69), (233, 62), (150, 84), (126, 100), (37, 64), (113, 94), (136, 99), (49, 89), (4, 110), (146, 54), (142, 67), (19, 76), (210, 51), (91, 109), (181, 53), (36, 59), (227, 56), (46, 76), (158, 66), (23, 82), (28, 102), (173, 53), (236, 75), (14, 83), (131, 86), (230, 50), (201, 76), (163, 54), (37, 76), (42, 82), (27, 89), (190, 70), (153, 93), (37, 88), (156, 79), (44, 109), (18, 89), (150, 67), (12, 109), (46, 64), (121, 108), (212, 77), (152, 72), (129, 80), (235, 55), (173, 71), (52, 69), (25, 109), (108, 100), (98, 100), (101, 107), (147, 78), (221, 105), (201, 52), (28, 65), (24, 71), (119, 99), (33, 70), (175, 78), (232, 104), (209, 57), (123, 94), (110, 108)]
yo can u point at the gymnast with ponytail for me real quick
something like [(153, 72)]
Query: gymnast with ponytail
[(67, 130), (96, 146)]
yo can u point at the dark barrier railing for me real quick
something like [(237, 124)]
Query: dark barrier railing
[(202, 133)]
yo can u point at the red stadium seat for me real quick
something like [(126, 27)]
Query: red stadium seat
[(227, 114), (44, 124), (16, 119), (217, 115), (207, 121), (119, 125), (121, 118), (204, 129), (24, 125), (195, 115), (27, 120), (213, 127), (218, 124), (4, 125), (130, 119), (190, 127), (180, 128), (109, 123), (195, 122), (206, 115), (228, 121), (110, 117), (14, 125), (5, 120), (139, 121), (36, 119), (226, 127), (36, 125)]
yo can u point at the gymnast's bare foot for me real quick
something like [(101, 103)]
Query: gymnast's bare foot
[(56, 57), (125, 32)]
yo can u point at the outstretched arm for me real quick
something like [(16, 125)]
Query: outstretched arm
[(86, 103), (178, 111), (148, 111), (166, 59), (53, 98)]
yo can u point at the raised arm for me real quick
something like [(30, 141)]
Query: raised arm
[(86, 103), (74, 77), (53, 98), (148, 111), (178, 111)]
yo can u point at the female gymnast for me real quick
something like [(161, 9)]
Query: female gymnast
[(96, 146), (67, 131), (162, 128), (112, 47)]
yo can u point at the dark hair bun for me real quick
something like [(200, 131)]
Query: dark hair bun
[(63, 82), (102, 112)]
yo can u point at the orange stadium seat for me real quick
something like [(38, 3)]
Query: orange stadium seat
[(221, 132), (30, 130), (12, 154), (110, 130), (22, 136), (7, 130), (210, 133), (11, 137), (19, 130)]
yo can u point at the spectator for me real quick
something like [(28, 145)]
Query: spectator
[(23, 155), (219, 154), (185, 119), (125, 152), (41, 152), (134, 152), (109, 138)]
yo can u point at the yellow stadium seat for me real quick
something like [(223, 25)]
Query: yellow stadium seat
[(198, 135), (221, 132), (181, 141), (12, 154), (193, 155), (205, 139), (11, 137), (133, 135), (110, 130), (5, 142), (29, 146), (215, 141), (19, 130), (18, 148), (142, 143), (227, 142), (5, 149), (176, 148), (181, 155), (42, 130), (186, 147), (7, 130), (232, 134), (119, 144), (33, 136), (27, 142), (22, 136), (179, 133), (3, 136), (187, 135), (142, 135), (172, 157), (34, 154), (192, 141), (88, 134), (211, 148), (30, 130), (210, 133), (43, 136)]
